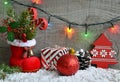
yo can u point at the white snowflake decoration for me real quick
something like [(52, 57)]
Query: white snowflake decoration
[(103, 53), (94, 52), (112, 53)]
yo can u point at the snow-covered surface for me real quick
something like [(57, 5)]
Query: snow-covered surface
[(91, 74), (20, 43)]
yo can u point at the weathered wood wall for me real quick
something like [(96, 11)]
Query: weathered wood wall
[(79, 11)]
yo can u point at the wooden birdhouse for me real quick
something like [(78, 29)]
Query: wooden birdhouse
[(103, 54)]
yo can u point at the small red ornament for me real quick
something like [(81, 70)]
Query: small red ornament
[(24, 39), (23, 35), (41, 23), (31, 64), (9, 28), (68, 64)]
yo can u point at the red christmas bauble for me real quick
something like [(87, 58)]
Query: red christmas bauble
[(68, 64), (31, 64)]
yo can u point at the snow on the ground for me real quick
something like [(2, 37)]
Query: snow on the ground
[(91, 74)]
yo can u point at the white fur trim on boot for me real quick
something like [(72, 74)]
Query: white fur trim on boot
[(20, 43)]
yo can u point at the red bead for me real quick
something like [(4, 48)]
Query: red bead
[(23, 35)]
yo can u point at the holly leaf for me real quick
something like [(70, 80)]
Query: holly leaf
[(11, 36), (14, 24), (3, 29)]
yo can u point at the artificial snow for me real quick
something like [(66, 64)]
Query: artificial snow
[(91, 74)]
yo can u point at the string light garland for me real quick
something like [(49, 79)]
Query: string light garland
[(116, 19)]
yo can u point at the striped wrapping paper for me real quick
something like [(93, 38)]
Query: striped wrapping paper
[(49, 57)]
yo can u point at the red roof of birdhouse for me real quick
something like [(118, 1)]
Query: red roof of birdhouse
[(102, 41)]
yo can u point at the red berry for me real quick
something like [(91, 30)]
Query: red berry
[(23, 35)]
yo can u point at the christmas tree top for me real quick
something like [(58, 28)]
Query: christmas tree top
[(18, 27)]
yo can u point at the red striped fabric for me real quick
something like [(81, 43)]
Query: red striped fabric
[(49, 57)]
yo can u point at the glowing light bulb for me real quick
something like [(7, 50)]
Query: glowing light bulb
[(5, 2), (86, 35), (37, 1), (49, 24), (112, 28), (69, 30)]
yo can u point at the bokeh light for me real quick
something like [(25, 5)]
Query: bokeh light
[(5, 2), (69, 32), (114, 29)]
